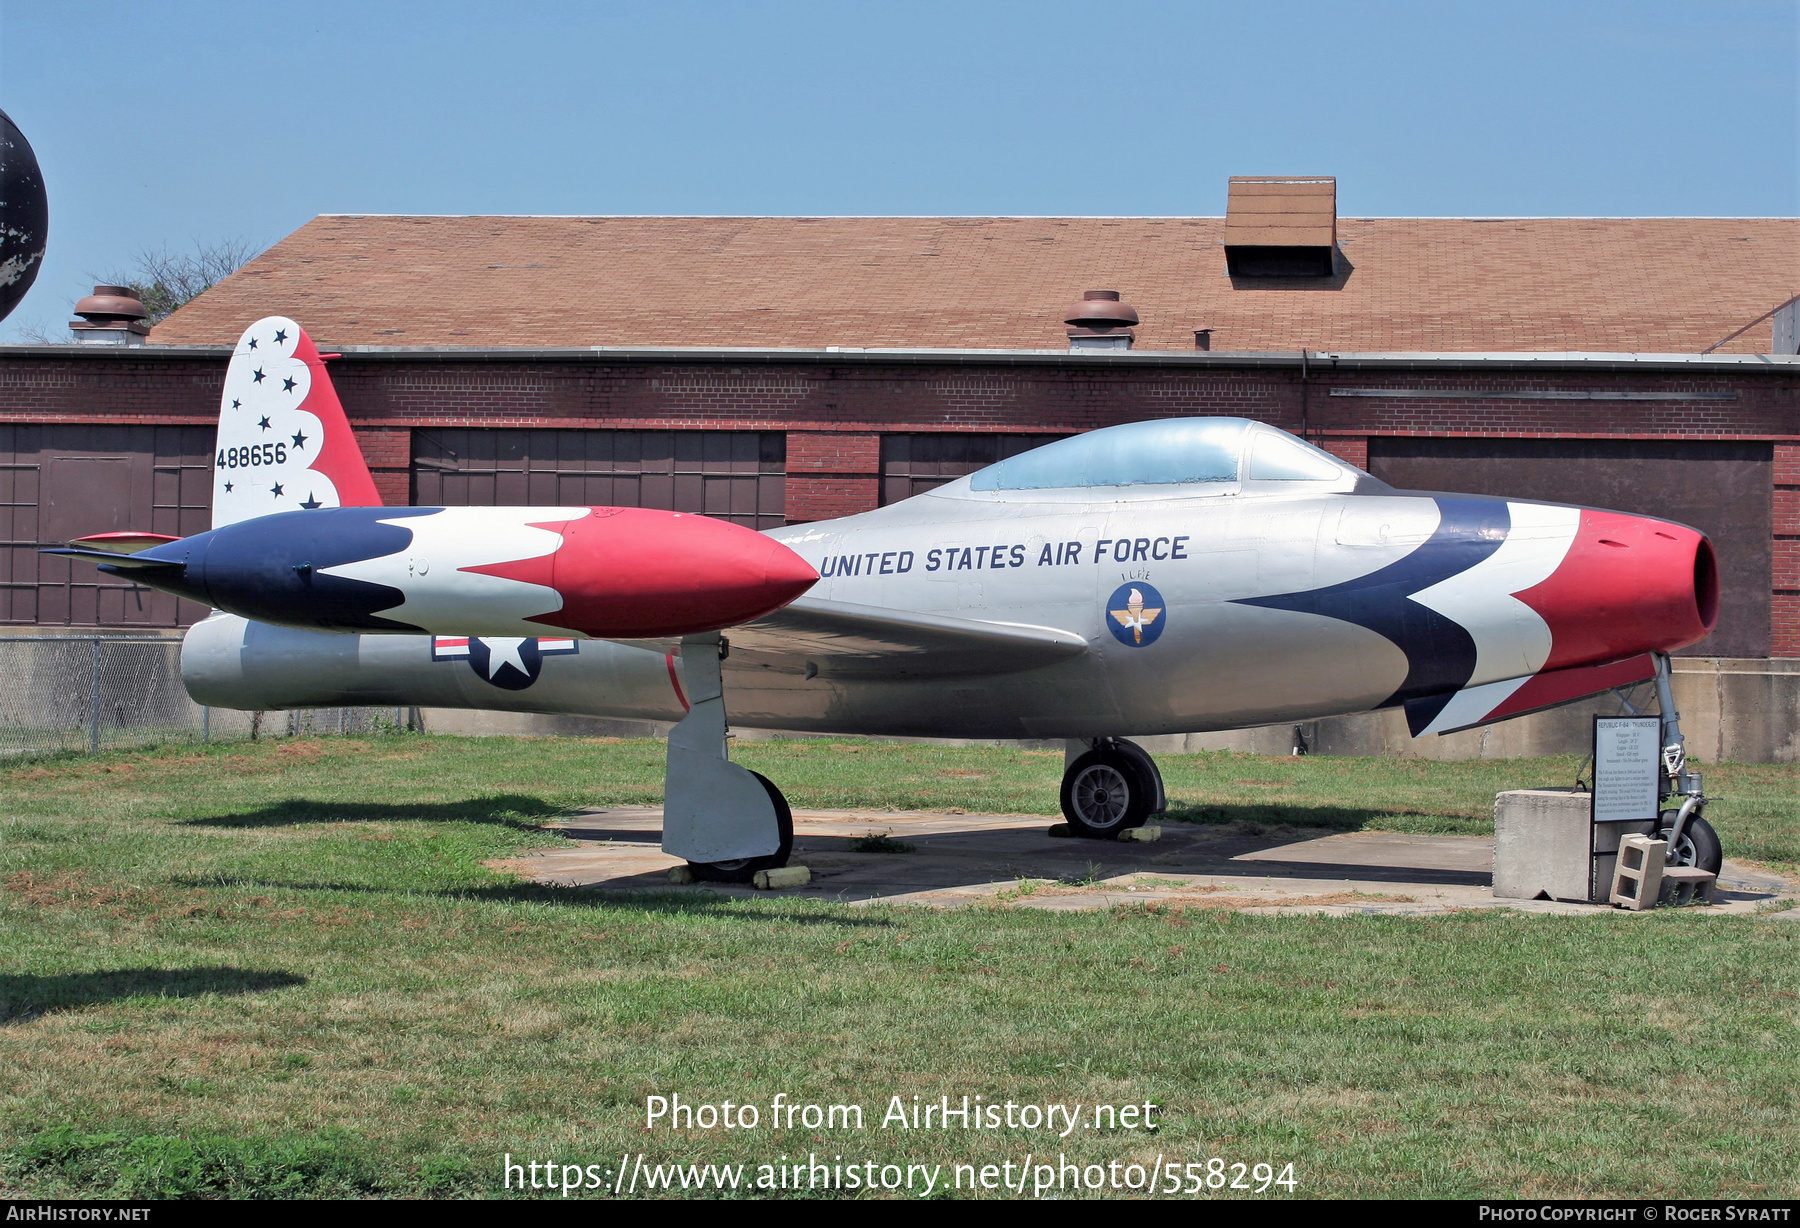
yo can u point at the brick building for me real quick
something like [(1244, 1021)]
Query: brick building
[(786, 369)]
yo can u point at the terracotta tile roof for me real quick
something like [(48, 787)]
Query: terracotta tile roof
[(1667, 285)]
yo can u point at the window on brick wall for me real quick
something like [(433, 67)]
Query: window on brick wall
[(740, 476), (59, 481), (913, 464)]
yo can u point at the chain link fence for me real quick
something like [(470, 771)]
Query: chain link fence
[(100, 692)]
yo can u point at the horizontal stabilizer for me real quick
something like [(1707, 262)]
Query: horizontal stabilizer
[(1499, 701), (114, 551), (126, 542), (117, 564), (841, 640)]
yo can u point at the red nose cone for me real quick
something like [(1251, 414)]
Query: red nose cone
[(1629, 584), (634, 573)]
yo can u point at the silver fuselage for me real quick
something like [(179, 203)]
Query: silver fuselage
[(1025, 558)]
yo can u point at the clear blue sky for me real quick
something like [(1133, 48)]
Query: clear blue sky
[(175, 123)]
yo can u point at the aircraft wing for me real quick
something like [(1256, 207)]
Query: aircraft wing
[(841, 640)]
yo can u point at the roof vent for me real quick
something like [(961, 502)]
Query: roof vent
[(111, 315), (1281, 227), (1101, 322)]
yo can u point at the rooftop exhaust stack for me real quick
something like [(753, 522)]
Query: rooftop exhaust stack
[(1100, 322), (111, 315), (1281, 227)]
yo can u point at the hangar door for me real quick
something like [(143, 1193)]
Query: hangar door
[(59, 481), (1723, 489), (740, 476)]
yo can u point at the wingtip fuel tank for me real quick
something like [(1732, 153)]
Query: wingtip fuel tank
[(601, 572)]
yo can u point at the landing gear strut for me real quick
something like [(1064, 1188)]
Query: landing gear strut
[(726, 821), (1109, 785), (1682, 823)]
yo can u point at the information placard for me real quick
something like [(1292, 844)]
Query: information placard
[(1627, 768)]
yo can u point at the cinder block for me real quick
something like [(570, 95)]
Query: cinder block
[(1688, 884), (1637, 880), (1606, 853), (1543, 841), (680, 875), (1141, 835)]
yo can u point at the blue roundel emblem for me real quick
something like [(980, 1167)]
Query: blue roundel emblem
[(510, 662), (1136, 614)]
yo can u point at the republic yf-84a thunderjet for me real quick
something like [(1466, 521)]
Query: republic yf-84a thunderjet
[(1167, 576)]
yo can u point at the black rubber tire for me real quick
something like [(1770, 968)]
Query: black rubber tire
[(1146, 768), (1091, 794), (745, 868), (1699, 843)]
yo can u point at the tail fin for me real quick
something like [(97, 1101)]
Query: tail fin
[(284, 442)]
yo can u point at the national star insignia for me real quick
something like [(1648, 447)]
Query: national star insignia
[(280, 336), (504, 650), (299, 440), (277, 491), (1136, 616), (287, 385), (257, 376), (228, 488), (264, 424), (311, 502)]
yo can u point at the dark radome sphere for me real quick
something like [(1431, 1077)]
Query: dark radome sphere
[(24, 216)]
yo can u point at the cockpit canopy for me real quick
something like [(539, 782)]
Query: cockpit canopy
[(1166, 452)]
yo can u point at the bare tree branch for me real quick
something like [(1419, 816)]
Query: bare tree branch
[(166, 280)]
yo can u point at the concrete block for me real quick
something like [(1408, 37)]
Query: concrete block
[(1637, 880), (1606, 854), (786, 876), (680, 875), (1688, 884), (1543, 841), (1141, 835)]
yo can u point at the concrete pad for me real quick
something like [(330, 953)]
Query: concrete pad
[(1011, 860)]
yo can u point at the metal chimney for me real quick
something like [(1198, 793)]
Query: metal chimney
[(1100, 322)]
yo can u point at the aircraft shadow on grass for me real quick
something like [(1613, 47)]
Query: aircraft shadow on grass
[(529, 893), (1278, 817), (506, 810), (1204, 837), (24, 997)]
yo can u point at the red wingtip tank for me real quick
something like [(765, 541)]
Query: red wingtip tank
[(627, 573)]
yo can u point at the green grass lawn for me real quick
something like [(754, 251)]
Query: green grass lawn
[(281, 968)]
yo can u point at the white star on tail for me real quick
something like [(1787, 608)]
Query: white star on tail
[(504, 650)]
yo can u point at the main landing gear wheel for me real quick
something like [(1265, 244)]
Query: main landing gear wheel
[(1699, 845), (743, 869), (1104, 792)]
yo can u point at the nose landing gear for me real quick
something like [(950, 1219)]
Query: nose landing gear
[(1112, 785), (1691, 839)]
